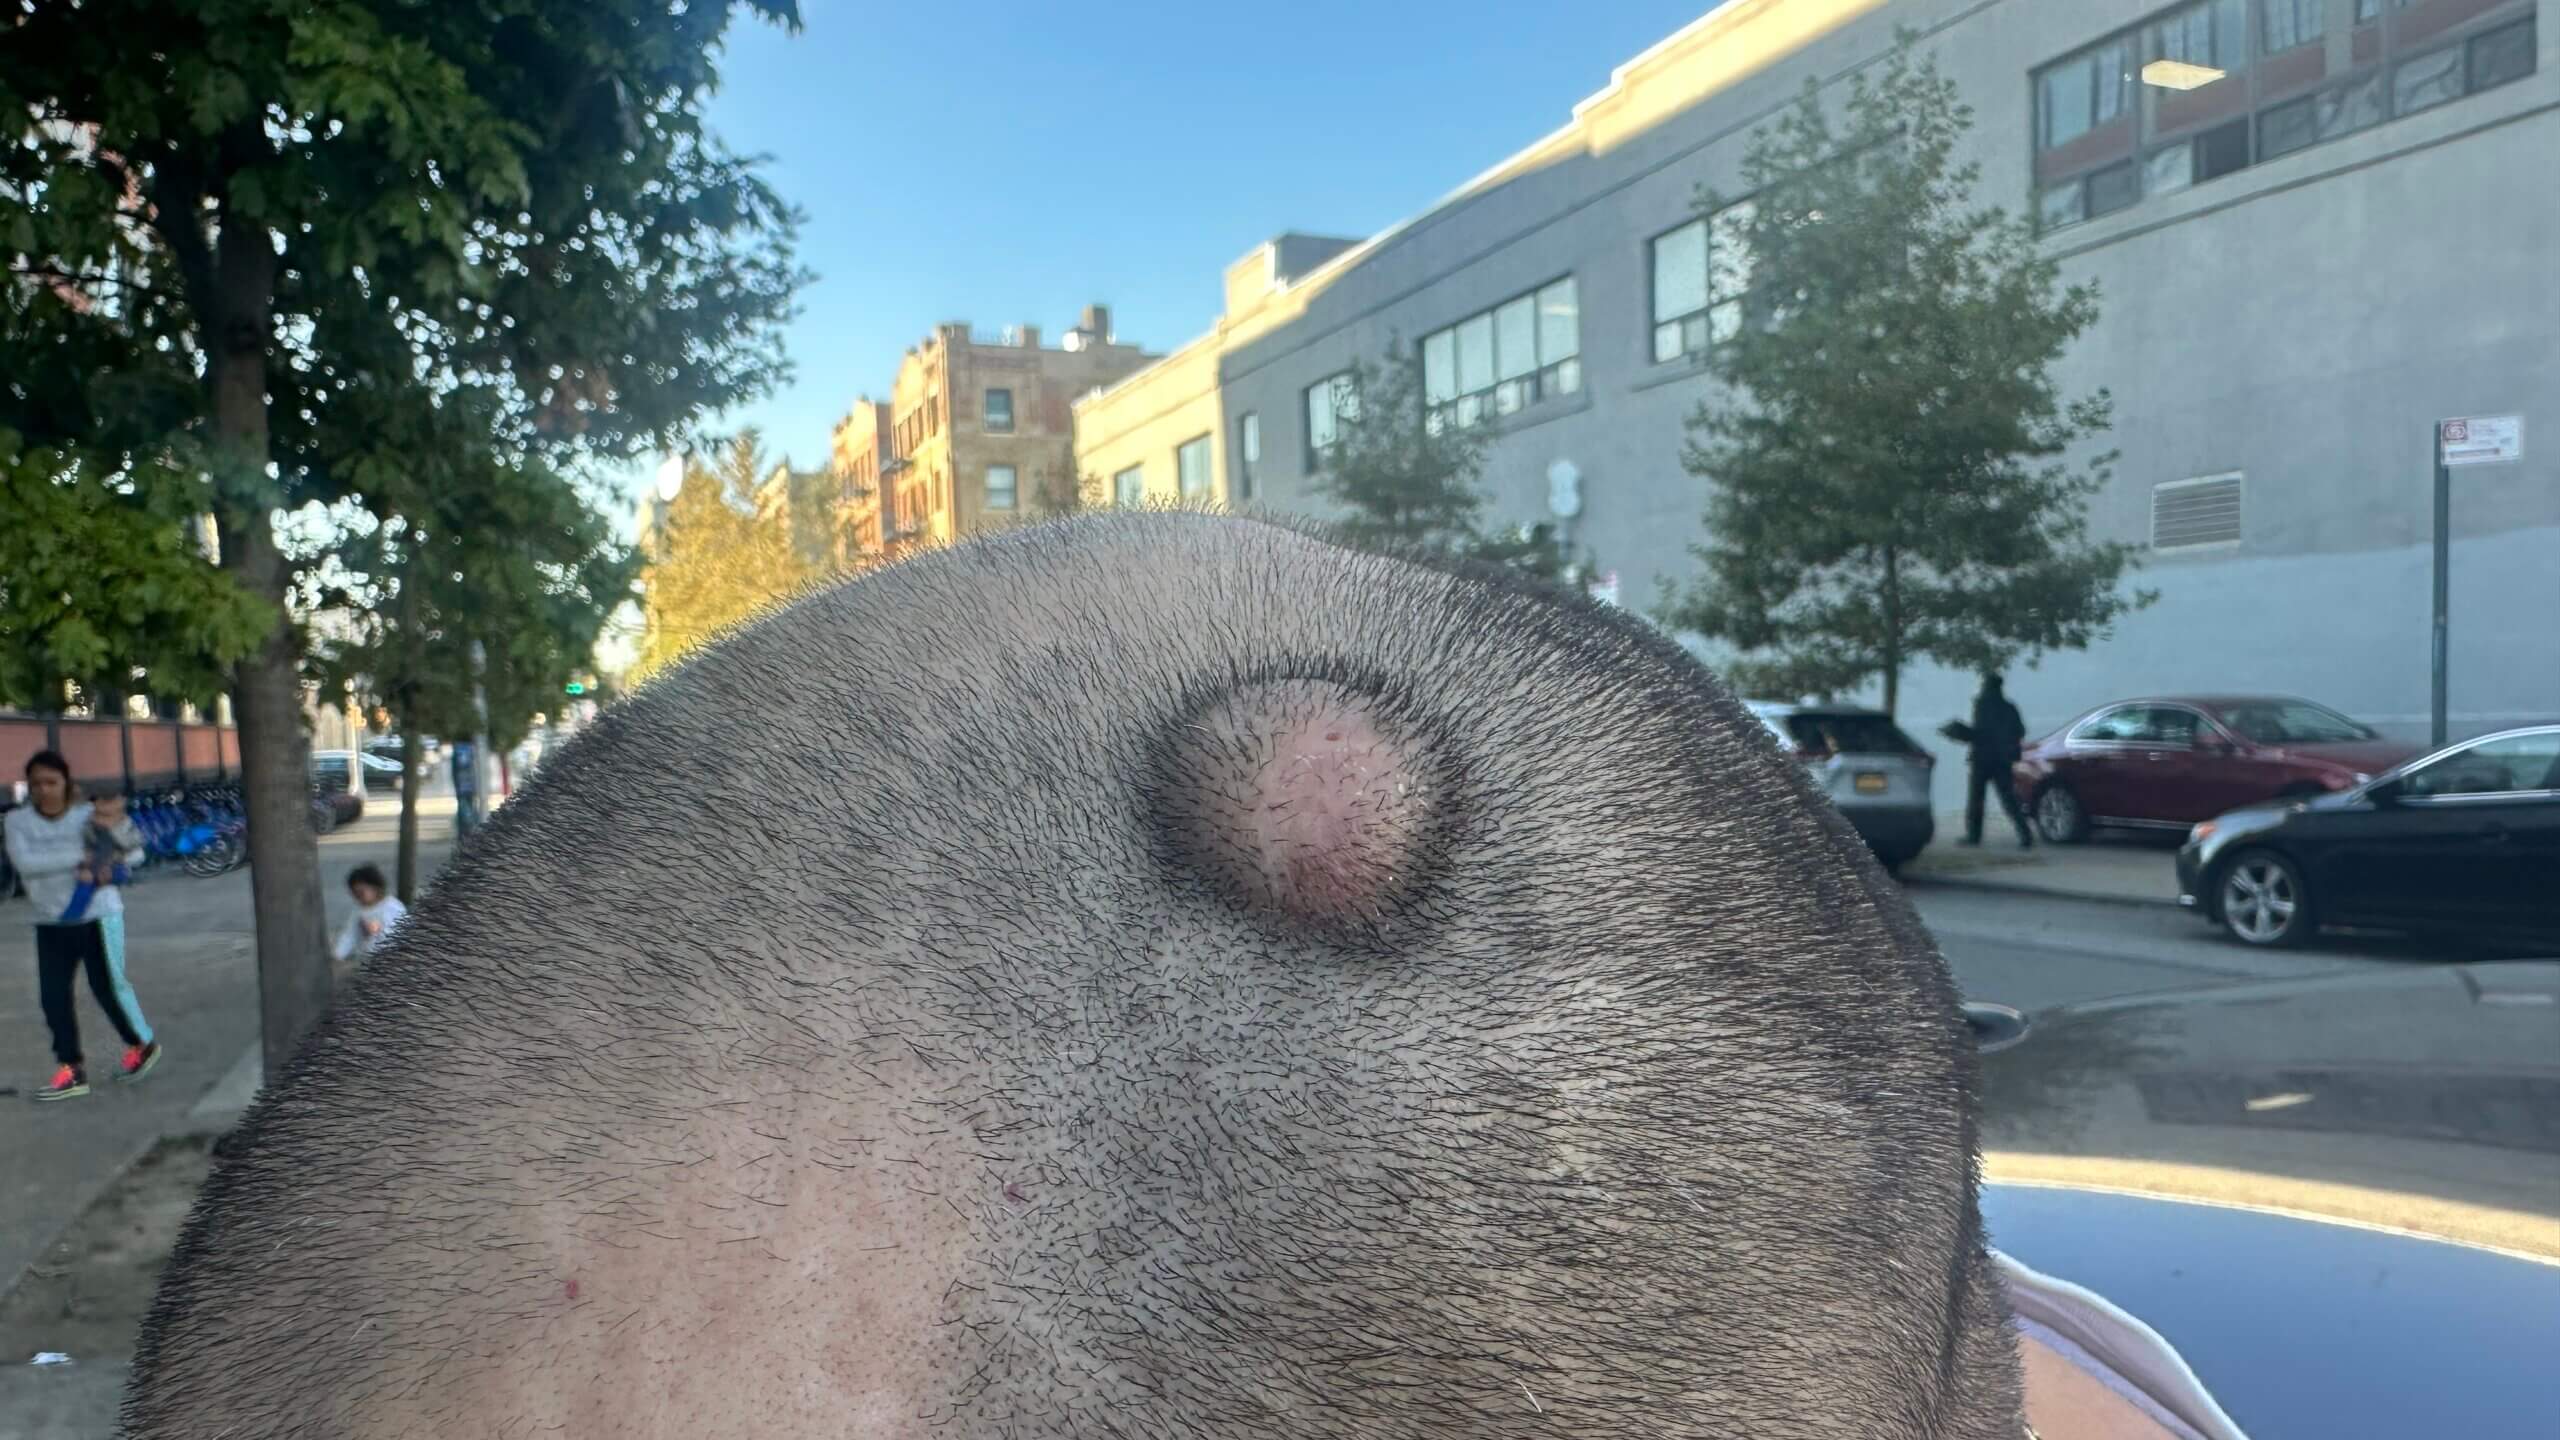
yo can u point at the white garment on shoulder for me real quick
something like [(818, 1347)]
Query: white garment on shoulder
[(383, 914)]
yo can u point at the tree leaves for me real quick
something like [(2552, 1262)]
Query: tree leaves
[(98, 578), (718, 563), (1410, 484), (1889, 476)]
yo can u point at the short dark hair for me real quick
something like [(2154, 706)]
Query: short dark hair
[(368, 875), (1637, 1045), (49, 760)]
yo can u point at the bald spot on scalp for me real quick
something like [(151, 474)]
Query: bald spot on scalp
[(1036, 1025)]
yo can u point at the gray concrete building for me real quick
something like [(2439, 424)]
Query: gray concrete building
[(2320, 228)]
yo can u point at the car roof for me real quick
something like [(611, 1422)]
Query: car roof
[(1784, 707), (2211, 702)]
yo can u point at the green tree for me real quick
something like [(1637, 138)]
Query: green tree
[(1539, 550), (245, 226), (511, 555), (1409, 479), (1887, 477), (718, 564), (100, 576), (1404, 478)]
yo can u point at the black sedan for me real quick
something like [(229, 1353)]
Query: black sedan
[(2464, 841)]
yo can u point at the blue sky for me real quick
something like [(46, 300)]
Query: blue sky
[(1006, 162)]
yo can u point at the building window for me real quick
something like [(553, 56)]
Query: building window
[(1332, 403), (2193, 514), (1191, 467), (2294, 23), (1701, 282), (1129, 487), (2501, 55), (2082, 93), (2426, 82), (2287, 128), (1503, 360), (2200, 88), (999, 412), (1001, 487), (1248, 457), (2350, 108), (2213, 34)]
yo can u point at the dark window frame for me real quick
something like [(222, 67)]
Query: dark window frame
[(1350, 379), (1698, 339), (1547, 379), (1208, 468), (989, 412), (2069, 197), (1246, 470)]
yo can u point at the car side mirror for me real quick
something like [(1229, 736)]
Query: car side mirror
[(2386, 794)]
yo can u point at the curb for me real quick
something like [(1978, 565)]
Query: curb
[(213, 1113), (1928, 880)]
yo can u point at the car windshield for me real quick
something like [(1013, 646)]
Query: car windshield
[(329, 767), (2292, 722)]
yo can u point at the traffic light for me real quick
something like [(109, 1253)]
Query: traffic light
[(576, 687)]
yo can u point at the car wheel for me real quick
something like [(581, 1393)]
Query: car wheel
[(2059, 818), (2263, 901)]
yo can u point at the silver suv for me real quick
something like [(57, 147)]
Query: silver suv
[(1876, 775)]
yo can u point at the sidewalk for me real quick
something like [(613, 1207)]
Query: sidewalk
[(79, 1252), (2108, 866)]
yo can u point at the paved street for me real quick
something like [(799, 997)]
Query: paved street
[(2030, 951), (194, 968)]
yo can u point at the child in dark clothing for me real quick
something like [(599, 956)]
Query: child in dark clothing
[(101, 857)]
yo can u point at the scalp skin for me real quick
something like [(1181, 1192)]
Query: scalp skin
[(867, 1030)]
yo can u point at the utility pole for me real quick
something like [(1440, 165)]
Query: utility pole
[(2436, 712), (2469, 440)]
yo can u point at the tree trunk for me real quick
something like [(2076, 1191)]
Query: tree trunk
[(411, 783), (1892, 631), (275, 755), (412, 751)]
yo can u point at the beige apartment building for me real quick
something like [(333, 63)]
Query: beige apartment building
[(858, 456), (975, 431), (1161, 434)]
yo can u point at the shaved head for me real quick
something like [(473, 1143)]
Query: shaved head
[(1146, 975)]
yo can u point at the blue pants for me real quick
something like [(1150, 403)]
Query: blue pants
[(96, 948)]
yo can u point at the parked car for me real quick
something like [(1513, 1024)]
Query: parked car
[(1875, 774), (2167, 763), (333, 774), (382, 764), (2464, 841)]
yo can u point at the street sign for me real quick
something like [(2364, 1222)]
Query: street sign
[(2482, 440)]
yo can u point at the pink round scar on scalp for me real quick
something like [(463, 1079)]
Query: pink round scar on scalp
[(1298, 798)]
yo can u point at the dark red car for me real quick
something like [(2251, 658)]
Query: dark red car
[(2164, 764)]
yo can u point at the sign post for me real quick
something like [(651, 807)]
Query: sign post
[(2477, 440)]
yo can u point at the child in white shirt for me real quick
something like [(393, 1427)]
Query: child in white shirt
[(377, 910)]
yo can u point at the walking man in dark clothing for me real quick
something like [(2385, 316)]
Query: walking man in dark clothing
[(1991, 742)]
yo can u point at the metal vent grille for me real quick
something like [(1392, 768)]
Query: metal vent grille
[(2189, 513)]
